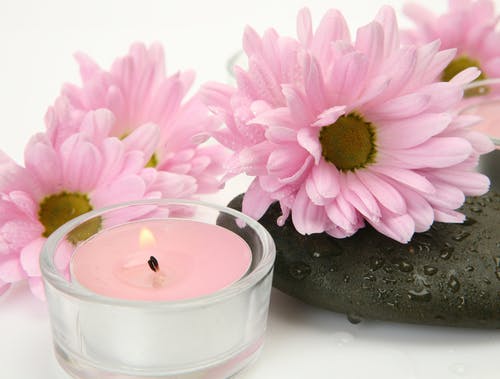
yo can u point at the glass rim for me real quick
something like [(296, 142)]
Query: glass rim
[(54, 277)]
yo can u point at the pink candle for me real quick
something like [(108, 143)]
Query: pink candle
[(161, 260)]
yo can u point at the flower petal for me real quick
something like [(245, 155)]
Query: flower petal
[(308, 138), (307, 217), (304, 27), (437, 152), (411, 132), (397, 227), (406, 177), (326, 179), (145, 138), (256, 201), (11, 270), (329, 116), (402, 107), (385, 193), (37, 288), (30, 257)]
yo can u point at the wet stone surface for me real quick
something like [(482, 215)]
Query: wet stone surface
[(449, 275)]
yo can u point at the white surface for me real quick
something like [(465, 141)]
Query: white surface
[(37, 41)]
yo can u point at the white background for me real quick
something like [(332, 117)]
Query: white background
[(37, 40)]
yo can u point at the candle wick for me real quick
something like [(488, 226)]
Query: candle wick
[(153, 264)]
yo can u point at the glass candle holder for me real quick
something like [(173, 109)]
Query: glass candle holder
[(487, 106), (212, 336)]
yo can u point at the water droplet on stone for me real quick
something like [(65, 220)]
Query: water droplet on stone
[(460, 236), (423, 247), (299, 270), (389, 280), (347, 278), (405, 266), (389, 269), (369, 277), (325, 247), (453, 283), (354, 318), (430, 270), (332, 269), (376, 263), (497, 262), (446, 251), (423, 295), (381, 293), (476, 209)]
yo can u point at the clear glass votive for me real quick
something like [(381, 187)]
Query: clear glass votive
[(488, 107), (212, 336)]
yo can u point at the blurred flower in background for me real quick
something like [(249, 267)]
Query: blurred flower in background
[(468, 26)]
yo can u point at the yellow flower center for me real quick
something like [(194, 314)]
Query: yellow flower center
[(153, 161), (459, 64), (55, 210), (349, 143)]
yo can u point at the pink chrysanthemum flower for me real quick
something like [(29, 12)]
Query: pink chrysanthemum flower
[(138, 92), (342, 133), (59, 184), (470, 27)]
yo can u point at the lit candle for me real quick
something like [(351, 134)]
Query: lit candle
[(178, 297), (161, 260)]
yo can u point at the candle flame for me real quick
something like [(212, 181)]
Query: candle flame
[(146, 238)]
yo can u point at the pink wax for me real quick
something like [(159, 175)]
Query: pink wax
[(194, 259)]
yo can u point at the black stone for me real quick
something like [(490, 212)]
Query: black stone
[(449, 275)]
